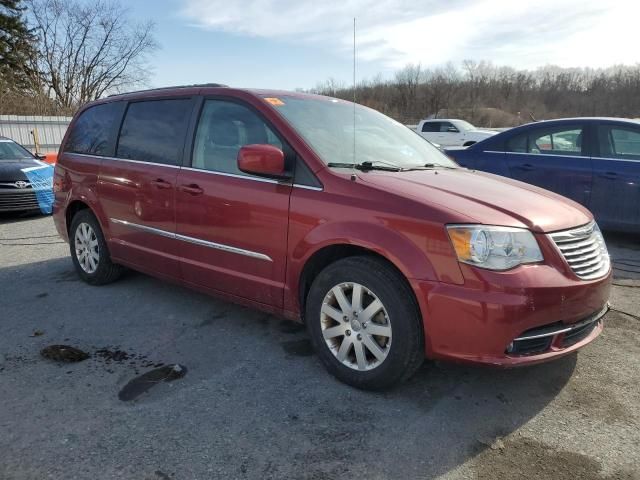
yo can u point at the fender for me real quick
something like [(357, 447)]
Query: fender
[(410, 255)]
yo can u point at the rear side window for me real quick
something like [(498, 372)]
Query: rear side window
[(94, 131), (154, 131), (431, 126)]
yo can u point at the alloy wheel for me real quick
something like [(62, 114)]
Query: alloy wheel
[(87, 248), (355, 326)]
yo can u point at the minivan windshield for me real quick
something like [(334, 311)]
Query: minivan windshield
[(327, 124), (12, 151)]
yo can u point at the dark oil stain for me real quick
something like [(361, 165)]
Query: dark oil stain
[(505, 460), (300, 348), (144, 382), (289, 326), (42, 295), (64, 353)]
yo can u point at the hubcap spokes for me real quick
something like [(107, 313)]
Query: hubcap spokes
[(87, 249), (355, 326)]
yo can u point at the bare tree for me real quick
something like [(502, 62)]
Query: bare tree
[(87, 49)]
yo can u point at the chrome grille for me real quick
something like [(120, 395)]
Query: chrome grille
[(584, 250)]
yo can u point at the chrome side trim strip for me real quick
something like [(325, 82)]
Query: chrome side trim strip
[(546, 155), (195, 241), (493, 151), (235, 175), (211, 172), (144, 228), (308, 187), (102, 157), (591, 319)]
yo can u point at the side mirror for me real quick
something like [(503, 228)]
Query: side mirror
[(41, 156), (261, 159), (452, 130)]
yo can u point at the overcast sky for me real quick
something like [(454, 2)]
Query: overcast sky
[(297, 43)]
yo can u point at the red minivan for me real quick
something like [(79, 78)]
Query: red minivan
[(335, 215)]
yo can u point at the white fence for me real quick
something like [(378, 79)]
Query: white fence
[(26, 130)]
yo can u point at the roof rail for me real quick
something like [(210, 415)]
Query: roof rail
[(195, 85)]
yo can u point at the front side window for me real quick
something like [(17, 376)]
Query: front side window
[(154, 131), (619, 142), (94, 131), (448, 127), (327, 125), (223, 129)]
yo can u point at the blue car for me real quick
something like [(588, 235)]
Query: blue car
[(594, 161)]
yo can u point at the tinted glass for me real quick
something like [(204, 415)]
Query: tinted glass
[(224, 128), (10, 150), (431, 127), (445, 126), (619, 142), (517, 144), (154, 131), (94, 131)]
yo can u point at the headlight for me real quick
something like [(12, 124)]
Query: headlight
[(494, 248)]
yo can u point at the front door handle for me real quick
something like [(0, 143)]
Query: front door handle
[(191, 189), (526, 166), (609, 175), (160, 183)]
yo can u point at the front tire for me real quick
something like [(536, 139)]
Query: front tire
[(364, 323), (89, 250)]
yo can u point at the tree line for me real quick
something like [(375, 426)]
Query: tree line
[(56, 55), (497, 96)]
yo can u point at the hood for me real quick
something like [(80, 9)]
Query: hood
[(11, 170), (487, 133), (478, 197)]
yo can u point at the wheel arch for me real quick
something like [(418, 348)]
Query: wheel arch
[(327, 254)]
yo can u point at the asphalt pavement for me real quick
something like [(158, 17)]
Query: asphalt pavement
[(178, 385)]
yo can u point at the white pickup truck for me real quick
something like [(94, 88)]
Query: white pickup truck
[(451, 132)]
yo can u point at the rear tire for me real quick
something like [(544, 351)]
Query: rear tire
[(89, 250), (364, 323)]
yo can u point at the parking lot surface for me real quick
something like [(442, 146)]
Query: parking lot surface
[(250, 399)]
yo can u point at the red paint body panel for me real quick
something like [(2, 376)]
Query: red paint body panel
[(246, 214), (143, 195), (469, 314)]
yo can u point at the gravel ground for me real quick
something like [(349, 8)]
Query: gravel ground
[(249, 399)]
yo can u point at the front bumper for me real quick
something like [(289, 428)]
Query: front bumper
[(480, 321), (14, 200)]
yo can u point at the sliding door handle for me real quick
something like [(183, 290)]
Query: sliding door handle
[(191, 189)]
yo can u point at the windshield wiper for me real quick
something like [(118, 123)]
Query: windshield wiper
[(428, 166), (364, 166)]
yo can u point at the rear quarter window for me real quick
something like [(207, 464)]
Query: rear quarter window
[(93, 133)]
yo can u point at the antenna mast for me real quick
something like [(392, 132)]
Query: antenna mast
[(353, 174)]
